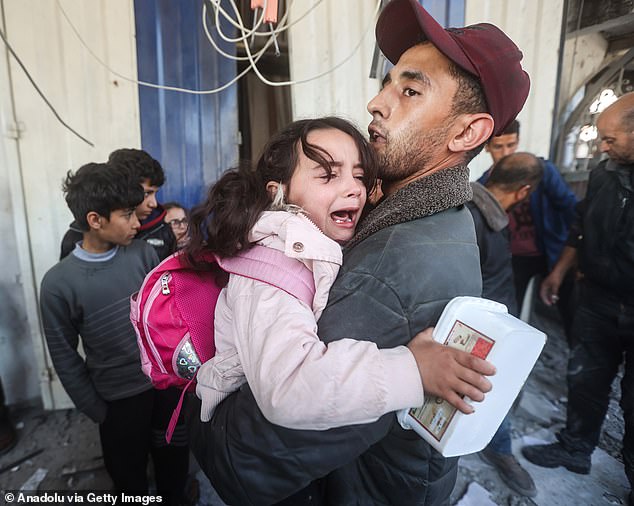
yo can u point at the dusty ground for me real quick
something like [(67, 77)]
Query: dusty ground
[(69, 455)]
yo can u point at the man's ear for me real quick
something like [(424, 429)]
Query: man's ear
[(94, 220), (473, 130), (523, 193)]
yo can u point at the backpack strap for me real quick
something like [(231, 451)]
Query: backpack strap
[(177, 411), (274, 268)]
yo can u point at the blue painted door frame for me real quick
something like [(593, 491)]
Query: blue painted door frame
[(194, 137)]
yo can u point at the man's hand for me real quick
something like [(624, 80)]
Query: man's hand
[(549, 289), (450, 373)]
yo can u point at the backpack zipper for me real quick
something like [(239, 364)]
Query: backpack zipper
[(148, 305), (165, 287)]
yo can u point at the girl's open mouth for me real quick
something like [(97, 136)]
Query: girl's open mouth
[(343, 217)]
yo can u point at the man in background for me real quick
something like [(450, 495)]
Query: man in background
[(539, 226), (601, 242)]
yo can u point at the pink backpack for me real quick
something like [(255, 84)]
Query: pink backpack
[(173, 312)]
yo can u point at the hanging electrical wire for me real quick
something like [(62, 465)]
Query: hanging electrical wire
[(282, 26), (253, 58), (219, 50), (317, 76), (40, 92), (136, 81)]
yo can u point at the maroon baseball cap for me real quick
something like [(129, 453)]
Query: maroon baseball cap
[(482, 50)]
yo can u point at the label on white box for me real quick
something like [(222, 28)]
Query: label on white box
[(436, 414)]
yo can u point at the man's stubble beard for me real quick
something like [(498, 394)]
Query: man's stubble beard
[(625, 159), (410, 153)]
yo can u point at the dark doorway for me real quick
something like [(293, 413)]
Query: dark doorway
[(263, 109)]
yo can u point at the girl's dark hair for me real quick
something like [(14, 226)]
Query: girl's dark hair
[(174, 205), (234, 203)]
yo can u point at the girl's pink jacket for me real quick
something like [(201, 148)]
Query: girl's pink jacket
[(268, 338)]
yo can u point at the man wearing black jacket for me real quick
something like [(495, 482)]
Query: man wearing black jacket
[(601, 241), (150, 213)]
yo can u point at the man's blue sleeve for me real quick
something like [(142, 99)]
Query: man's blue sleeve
[(558, 192)]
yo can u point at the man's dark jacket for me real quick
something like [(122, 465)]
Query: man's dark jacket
[(603, 231), (154, 231), (411, 255), (158, 234), (492, 232)]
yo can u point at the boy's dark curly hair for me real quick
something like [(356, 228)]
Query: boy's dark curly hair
[(139, 163), (102, 188)]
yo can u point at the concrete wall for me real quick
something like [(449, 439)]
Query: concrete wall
[(18, 363), (99, 105)]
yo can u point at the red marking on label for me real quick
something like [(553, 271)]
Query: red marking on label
[(482, 348)]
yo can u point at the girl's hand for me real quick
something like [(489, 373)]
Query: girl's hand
[(450, 373)]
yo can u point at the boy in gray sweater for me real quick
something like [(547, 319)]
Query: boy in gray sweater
[(87, 294)]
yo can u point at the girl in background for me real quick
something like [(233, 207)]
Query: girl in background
[(176, 217)]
